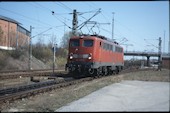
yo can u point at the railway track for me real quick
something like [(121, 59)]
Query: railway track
[(11, 94), (17, 89), (7, 95), (14, 71), (27, 73), (17, 74)]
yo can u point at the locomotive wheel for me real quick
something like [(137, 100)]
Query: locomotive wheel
[(113, 72), (91, 71), (96, 72), (105, 71), (110, 71), (117, 70), (100, 71)]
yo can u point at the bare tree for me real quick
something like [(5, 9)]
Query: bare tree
[(65, 39), (53, 40)]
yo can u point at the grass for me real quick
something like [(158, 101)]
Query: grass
[(151, 75)]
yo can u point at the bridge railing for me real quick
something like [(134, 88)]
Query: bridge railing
[(143, 52)]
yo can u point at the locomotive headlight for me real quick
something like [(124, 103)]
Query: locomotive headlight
[(90, 56), (71, 55)]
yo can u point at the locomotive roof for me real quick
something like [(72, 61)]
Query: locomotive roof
[(102, 37)]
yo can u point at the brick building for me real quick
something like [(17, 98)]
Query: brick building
[(13, 34), (166, 61)]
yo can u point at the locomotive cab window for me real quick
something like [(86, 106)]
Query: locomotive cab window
[(88, 43), (74, 43)]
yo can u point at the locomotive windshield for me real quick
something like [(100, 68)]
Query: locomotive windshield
[(75, 43), (88, 43)]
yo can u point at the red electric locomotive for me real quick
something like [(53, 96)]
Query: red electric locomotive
[(94, 55)]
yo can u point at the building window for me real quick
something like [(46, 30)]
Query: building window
[(23, 31)]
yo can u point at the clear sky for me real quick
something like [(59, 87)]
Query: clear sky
[(134, 21)]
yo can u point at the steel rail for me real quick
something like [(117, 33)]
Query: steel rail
[(28, 74)]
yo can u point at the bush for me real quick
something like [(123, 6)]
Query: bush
[(62, 52), (61, 61), (3, 59), (16, 53), (42, 52)]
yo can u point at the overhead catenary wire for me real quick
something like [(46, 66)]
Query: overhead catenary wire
[(80, 13), (89, 19), (24, 16), (94, 6), (42, 6), (61, 21), (66, 6), (49, 10), (61, 5), (42, 32), (86, 24)]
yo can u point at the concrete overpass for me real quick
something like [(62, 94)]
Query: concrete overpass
[(146, 54)]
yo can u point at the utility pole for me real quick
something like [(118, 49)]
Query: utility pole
[(164, 43), (160, 54), (113, 26), (159, 50), (30, 49), (30, 46), (75, 22), (54, 49), (169, 47)]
